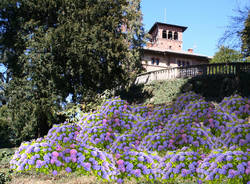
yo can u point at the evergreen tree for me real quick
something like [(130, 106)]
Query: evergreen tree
[(56, 48)]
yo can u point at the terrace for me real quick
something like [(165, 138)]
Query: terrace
[(193, 71)]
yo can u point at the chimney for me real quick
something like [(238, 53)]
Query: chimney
[(149, 44), (191, 50)]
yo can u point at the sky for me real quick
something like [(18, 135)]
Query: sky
[(206, 19)]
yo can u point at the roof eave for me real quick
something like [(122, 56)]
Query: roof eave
[(158, 23), (179, 53)]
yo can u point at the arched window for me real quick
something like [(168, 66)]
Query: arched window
[(153, 61), (175, 36), (157, 61), (183, 63), (164, 34), (170, 36)]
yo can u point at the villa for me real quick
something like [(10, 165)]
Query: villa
[(165, 49)]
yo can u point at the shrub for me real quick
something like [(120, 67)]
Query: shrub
[(152, 143), (4, 178)]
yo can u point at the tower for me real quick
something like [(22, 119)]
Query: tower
[(166, 36)]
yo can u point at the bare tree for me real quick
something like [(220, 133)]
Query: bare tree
[(233, 33)]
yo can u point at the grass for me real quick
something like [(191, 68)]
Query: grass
[(63, 178)]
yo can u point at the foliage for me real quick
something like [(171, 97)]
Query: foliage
[(157, 92), (245, 48), (226, 55), (214, 87), (146, 143), (218, 86), (74, 112), (165, 91), (4, 178), (5, 157), (58, 49), (6, 132), (235, 34)]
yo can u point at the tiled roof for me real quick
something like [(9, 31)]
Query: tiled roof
[(175, 52), (164, 24)]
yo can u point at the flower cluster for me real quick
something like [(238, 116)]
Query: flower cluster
[(236, 105), (54, 155), (181, 163), (194, 138), (232, 164), (133, 164)]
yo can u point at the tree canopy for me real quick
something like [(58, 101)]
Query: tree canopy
[(226, 55), (53, 49)]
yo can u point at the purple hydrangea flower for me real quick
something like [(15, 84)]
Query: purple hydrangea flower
[(68, 169)]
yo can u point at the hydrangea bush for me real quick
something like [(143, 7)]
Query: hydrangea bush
[(190, 139)]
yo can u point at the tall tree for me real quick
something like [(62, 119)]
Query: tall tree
[(245, 37), (59, 48), (134, 30)]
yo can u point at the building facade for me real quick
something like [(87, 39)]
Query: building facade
[(165, 49)]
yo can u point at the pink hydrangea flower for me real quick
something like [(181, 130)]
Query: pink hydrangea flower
[(120, 162), (74, 159), (55, 154), (171, 141), (58, 148), (53, 160), (210, 120), (104, 121), (117, 120), (73, 152), (108, 133), (247, 171)]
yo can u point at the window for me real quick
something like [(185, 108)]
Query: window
[(170, 35), (157, 61), (175, 36), (188, 64), (152, 61), (170, 47), (179, 63), (183, 63), (164, 34)]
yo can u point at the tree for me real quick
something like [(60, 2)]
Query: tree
[(237, 34), (226, 55), (245, 37), (57, 48)]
